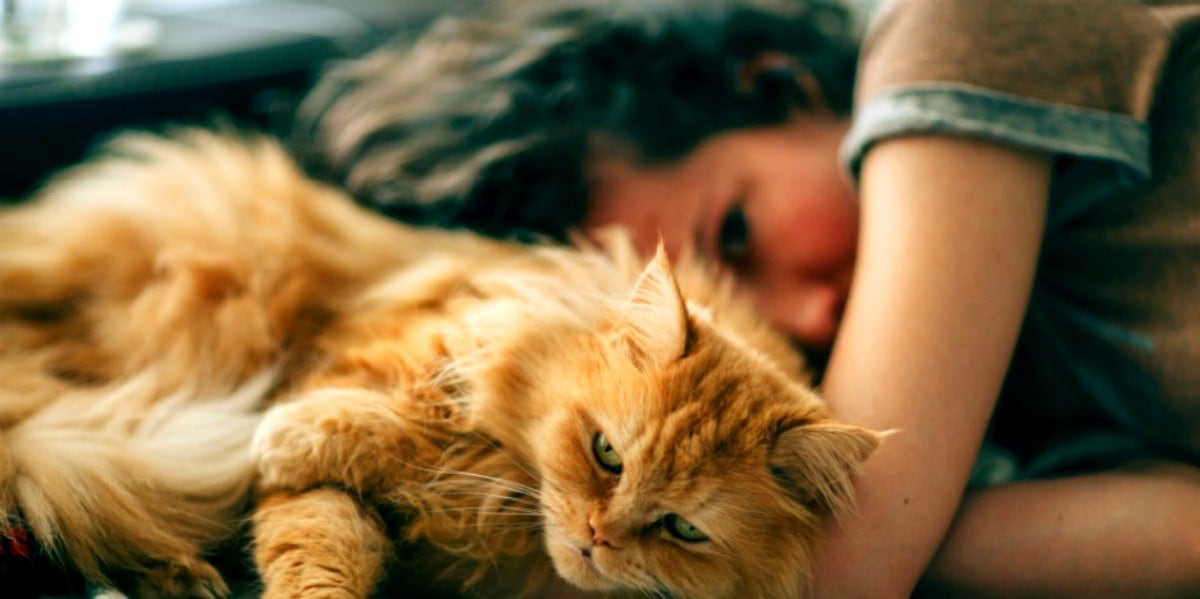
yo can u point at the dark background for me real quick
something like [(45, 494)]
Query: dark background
[(241, 61)]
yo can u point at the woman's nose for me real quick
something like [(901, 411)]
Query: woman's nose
[(809, 313)]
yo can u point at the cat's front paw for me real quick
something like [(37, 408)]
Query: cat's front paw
[(347, 438), (185, 579), (289, 448)]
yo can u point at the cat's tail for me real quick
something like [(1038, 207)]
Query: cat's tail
[(113, 490)]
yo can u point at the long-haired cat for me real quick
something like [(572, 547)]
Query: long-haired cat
[(189, 326)]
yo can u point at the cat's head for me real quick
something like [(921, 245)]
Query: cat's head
[(683, 461)]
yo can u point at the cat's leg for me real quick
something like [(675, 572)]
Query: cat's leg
[(356, 438), (318, 544), (188, 577)]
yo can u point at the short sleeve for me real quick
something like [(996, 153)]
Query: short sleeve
[(1072, 78)]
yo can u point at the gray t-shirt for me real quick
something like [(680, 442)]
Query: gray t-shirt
[(1112, 89)]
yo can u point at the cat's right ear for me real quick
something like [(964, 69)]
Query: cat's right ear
[(652, 326), (816, 462)]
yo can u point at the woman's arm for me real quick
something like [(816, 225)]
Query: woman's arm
[(950, 237), (1132, 532)]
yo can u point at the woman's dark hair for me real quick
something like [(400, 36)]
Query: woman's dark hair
[(488, 122)]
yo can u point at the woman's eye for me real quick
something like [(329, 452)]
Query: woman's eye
[(605, 454), (682, 529), (733, 238)]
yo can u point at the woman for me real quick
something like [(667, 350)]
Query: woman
[(1019, 246)]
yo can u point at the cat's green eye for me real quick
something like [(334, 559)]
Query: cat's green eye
[(682, 529), (605, 454)]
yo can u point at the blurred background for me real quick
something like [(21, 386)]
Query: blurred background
[(73, 71)]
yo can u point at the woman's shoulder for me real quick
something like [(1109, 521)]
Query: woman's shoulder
[(1098, 54), (1068, 78)]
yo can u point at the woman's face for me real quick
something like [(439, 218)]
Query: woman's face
[(771, 204)]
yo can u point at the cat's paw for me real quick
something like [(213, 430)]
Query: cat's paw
[(347, 438), (288, 448), (185, 579)]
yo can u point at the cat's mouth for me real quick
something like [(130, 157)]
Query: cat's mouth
[(586, 554), (577, 565)]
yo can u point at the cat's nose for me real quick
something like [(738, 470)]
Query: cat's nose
[(600, 538)]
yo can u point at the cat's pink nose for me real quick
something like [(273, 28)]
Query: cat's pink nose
[(599, 536)]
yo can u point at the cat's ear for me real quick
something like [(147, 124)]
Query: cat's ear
[(815, 462), (652, 326)]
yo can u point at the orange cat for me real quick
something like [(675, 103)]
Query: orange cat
[(437, 405)]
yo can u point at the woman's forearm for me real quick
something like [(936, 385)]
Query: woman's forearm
[(1128, 533), (950, 238)]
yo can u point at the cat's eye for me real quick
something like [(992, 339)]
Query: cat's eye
[(733, 237), (605, 454), (682, 529)]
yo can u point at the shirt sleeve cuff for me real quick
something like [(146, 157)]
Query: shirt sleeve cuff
[(1116, 140)]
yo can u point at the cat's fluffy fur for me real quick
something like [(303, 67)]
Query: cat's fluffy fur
[(450, 392)]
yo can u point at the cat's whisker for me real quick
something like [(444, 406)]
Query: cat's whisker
[(516, 462), (490, 522), (453, 480), (441, 471), (653, 592), (474, 510), (660, 590), (456, 476), (509, 494), (506, 505), (504, 499), (514, 527), (510, 484), (520, 500)]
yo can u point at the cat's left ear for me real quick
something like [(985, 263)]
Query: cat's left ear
[(652, 326), (815, 462)]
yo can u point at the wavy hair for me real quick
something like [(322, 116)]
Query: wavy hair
[(487, 122)]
